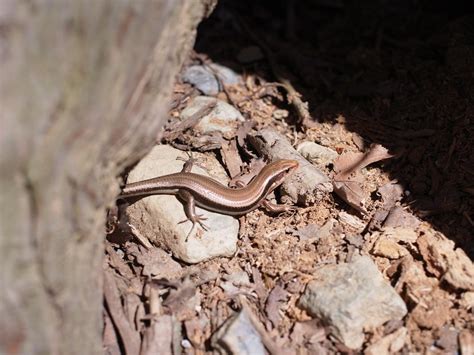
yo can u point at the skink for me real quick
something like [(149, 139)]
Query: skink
[(194, 189)]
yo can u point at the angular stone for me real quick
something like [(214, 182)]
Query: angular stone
[(317, 153), (389, 249), (204, 77), (352, 297), (445, 261), (238, 336), (223, 118)]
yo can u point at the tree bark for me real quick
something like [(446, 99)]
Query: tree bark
[(84, 89)]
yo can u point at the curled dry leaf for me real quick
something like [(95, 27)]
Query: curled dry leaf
[(243, 130), (348, 180), (304, 331), (390, 344)]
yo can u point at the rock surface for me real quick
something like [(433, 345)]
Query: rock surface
[(206, 78), (238, 336), (308, 185), (350, 298), (317, 153), (223, 118), (389, 249), (445, 261), (201, 78)]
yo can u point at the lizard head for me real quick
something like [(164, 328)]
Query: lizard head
[(281, 169)]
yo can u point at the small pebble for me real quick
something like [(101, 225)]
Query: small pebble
[(185, 343)]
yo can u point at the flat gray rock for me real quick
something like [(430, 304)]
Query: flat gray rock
[(202, 79), (205, 78), (238, 336), (350, 298), (226, 75)]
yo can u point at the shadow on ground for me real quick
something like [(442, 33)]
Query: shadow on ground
[(397, 74)]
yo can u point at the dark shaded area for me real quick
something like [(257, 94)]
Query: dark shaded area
[(396, 73)]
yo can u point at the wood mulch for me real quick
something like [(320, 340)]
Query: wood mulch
[(391, 90)]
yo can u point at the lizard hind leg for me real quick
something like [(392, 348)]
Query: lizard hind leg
[(190, 211)]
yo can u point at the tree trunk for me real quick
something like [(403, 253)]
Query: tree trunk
[(84, 88)]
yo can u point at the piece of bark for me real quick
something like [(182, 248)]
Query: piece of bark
[(129, 336), (390, 193), (231, 157), (276, 299), (308, 185), (85, 86), (157, 338), (110, 341)]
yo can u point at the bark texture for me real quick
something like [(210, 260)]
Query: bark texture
[(84, 88)]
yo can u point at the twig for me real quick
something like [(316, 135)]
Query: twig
[(142, 239), (176, 129)]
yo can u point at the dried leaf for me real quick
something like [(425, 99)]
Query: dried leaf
[(303, 331), (243, 130), (348, 181), (352, 193), (275, 300), (179, 127)]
